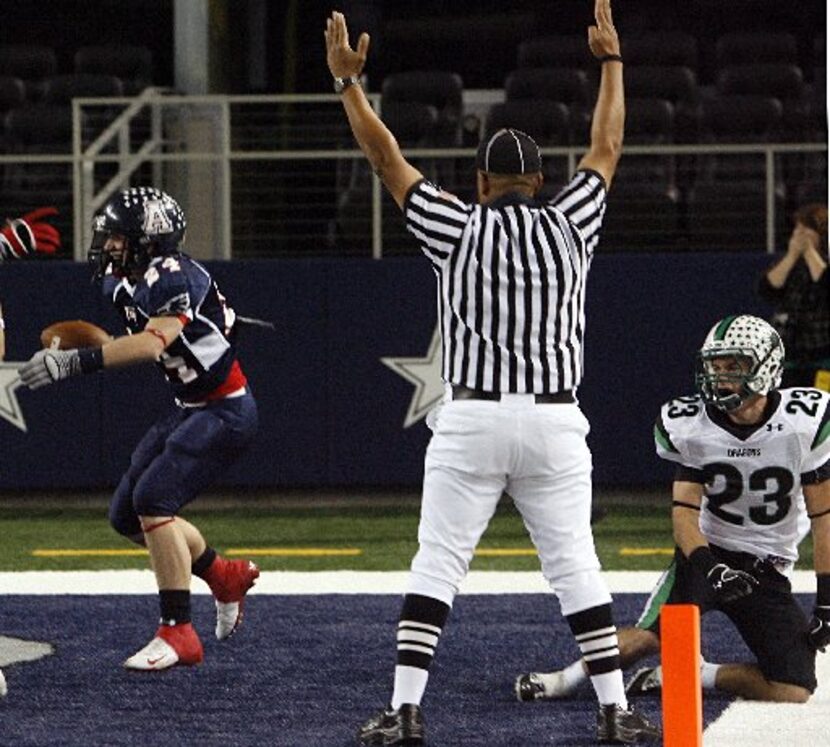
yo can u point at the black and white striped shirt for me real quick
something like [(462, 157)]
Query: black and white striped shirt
[(511, 283)]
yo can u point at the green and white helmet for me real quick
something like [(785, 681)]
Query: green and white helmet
[(740, 337)]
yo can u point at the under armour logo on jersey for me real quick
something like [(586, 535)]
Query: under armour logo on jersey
[(156, 220), (775, 426)]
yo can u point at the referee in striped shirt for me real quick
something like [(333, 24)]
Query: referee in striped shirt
[(511, 274)]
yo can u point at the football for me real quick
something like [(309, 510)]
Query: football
[(73, 334)]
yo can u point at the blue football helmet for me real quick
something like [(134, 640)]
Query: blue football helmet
[(151, 222)]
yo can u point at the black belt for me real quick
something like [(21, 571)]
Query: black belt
[(556, 398)]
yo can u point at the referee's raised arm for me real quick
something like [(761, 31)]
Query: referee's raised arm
[(373, 137), (609, 113)]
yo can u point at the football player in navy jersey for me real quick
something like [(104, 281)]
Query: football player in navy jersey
[(176, 316), (752, 468)]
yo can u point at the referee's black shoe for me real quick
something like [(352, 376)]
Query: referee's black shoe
[(404, 726), (618, 726)]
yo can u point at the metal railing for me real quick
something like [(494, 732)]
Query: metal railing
[(273, 175)]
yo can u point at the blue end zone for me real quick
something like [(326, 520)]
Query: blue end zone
[(303, 672)]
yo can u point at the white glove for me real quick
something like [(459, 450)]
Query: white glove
[(48, 366)]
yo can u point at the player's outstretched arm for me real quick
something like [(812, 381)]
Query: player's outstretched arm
[(49, 366), (608, 123), (372, 135), (817, 498)]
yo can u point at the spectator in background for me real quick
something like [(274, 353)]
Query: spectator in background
[(797, 286), (24, 236)]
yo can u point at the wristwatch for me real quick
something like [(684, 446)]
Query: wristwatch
[(341, 84)]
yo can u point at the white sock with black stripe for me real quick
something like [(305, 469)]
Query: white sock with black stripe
[(596, 636), (422, 619)]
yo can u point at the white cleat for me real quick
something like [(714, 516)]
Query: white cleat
[(157, 654), (4, 688), (172, 644), (541, 686), (228, 618)]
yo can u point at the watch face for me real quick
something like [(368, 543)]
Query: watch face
[(339, 85)]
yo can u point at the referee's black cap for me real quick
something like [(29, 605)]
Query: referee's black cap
[(509, 151)]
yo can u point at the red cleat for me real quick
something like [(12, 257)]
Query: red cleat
[(172, 645), (230, 580)]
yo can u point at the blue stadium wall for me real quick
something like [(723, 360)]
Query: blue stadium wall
[(331, 413)]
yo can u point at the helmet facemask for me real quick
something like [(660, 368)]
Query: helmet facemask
[(724, 378), (742, 357)]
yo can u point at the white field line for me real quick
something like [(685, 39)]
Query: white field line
[(324, 582)]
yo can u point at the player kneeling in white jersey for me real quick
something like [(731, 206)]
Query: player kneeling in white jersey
[(748, 456)]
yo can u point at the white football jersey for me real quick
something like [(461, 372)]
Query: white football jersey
[(752, 492)]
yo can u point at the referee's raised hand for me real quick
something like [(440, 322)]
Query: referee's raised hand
[(343, 61), (602, 38)]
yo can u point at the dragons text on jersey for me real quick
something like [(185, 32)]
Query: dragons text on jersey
[(511, 283)]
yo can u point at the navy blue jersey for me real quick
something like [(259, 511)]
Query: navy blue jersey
[(203, 357)]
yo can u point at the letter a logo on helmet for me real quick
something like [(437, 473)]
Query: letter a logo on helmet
[(156, 220)]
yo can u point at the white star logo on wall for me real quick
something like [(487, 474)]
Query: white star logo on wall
[(9, 406), (425, 374)]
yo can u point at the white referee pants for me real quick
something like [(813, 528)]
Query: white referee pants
[(536, 453)]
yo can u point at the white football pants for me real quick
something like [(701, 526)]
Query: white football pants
[(536, 453)]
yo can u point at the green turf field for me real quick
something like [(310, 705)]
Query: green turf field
[(297, 538)]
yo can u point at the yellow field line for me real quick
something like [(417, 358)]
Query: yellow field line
[(83, 553), (646, 551), (303, 552), (504, 552)]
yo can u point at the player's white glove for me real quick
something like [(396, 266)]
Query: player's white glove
[(48, 366), (730, 584)]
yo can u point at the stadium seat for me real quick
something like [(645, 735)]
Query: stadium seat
[(412, 123), (133, 65), (547, 122), (438, 89), (781, 81), (641, 216), (738, 119), (457, 43), (753, 48), (40, 129), (61, 89), (29, 62), (351, 232), (649, 121), (12, 92), (555, 51), (674, 83), (568, 85), (670, 48), (730, 216)]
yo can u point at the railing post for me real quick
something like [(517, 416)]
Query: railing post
[(770, 193), (225, 170), (78, 207)]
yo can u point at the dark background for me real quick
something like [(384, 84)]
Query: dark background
[(457, 36)]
